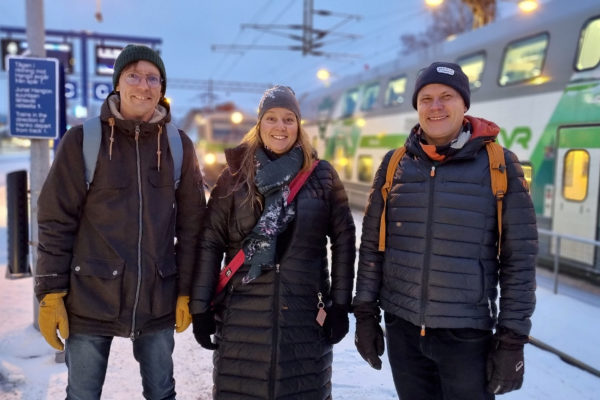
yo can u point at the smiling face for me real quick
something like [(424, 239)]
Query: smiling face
[(138, 102), (279, 130), (441, 112)]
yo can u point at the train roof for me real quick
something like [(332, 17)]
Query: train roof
[(561, 20)]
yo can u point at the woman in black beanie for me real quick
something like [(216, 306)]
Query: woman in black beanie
[(283, 309)]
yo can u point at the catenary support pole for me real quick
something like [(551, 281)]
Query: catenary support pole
[(40, 151)]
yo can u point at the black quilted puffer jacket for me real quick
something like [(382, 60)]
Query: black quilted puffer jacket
[(270, 345)]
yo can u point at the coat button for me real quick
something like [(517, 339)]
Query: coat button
[(77, 268), (115, 272)]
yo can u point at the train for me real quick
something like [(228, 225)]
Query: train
[(535, 75), (214, 129)]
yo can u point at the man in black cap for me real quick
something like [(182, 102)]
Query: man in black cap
[(436, 276), (108, 262)]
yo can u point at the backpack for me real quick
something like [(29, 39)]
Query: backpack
[(497, 174), (92, 134)]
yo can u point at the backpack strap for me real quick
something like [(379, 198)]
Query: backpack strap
[(238, 260), (176, 151), (385, 190), (499, 181), (92, 134)]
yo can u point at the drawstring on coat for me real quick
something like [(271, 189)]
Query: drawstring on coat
[(111, 122), (158, 152)]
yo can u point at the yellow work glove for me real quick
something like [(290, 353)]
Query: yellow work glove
[(183, 318), (53, 316)]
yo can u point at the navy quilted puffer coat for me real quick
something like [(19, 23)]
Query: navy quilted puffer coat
[(439, 268)]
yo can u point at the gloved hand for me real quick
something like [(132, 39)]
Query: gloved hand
[(183, 318), (336, 323), (204, 326), (505, 363), (53, 316), (369, 335)]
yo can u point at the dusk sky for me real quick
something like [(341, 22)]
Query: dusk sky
[(188, 29)]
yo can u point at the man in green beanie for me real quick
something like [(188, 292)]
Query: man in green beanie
[(109, 264)]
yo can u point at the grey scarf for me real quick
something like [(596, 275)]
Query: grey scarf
[(272, 181)]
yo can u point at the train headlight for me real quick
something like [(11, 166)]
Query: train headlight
[(209, 159)]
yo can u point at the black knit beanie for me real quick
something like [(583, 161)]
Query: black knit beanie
[(446, 73), (279, 96), (132, 53)]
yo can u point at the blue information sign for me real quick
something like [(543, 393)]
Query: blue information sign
[(33, 97)]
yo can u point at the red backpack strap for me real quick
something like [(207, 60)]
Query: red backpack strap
[(298, 181), (238, 260)]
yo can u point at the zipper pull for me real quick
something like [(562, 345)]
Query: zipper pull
[(423, 330), (137, 132), (432, 173), (321, 306), (277, 268)]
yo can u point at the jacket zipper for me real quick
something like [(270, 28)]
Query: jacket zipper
[(275, 335), (427, 259), (139, 246)]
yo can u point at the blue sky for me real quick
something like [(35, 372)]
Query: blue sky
[(188, 28)]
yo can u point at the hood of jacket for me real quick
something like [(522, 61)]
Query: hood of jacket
[(482, 131)]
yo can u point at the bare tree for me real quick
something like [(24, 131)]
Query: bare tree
[(451, 18)]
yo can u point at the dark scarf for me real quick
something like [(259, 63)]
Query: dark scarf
[(272, 181)]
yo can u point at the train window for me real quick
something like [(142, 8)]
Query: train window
[(365, 168), (395, 91), (575, 175), (588, 53), (472, 66), (349, 102), (370, 94), (524, 59), (528, 173)]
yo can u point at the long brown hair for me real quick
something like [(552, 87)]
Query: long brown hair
[(247, 170)]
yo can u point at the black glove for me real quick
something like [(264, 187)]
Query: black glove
[(369, 336), (505, 363), (336, 323), (204, 326)]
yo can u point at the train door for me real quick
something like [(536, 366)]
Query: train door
[(576, 190)]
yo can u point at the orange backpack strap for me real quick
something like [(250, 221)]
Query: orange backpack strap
[(385, 190), (499, 181)]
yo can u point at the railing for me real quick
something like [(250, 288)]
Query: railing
[(556, 240)]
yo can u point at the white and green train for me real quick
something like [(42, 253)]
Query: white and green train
[(536, 75)]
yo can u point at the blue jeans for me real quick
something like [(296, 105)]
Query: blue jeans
[(445, 364), (87, 358)]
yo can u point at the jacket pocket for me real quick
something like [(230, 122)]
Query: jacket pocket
[(164, 296), (160, 179), (95, 288)]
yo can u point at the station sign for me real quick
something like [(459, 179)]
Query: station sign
[(102, 90), (70, 90), (105, 59), (62, 51), (33, 90)]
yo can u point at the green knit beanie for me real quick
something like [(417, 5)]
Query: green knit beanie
[(132, 53)]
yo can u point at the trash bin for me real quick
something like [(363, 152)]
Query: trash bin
[(17, 225)]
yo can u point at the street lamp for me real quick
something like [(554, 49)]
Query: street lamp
[(528, 5), (433, 3), (237, 117), (323, 74)]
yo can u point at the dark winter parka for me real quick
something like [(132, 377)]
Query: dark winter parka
[(112, 246), (270, 346), (439, 268)]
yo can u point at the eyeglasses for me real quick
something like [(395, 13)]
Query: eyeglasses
[(133, 78)]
